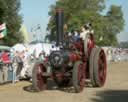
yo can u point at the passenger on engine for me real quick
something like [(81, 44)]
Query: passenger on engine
[(86, 30), (75, 35)]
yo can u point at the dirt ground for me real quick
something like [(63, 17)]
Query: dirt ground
[(115, 90)]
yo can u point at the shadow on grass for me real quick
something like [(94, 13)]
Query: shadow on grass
[(111, 96), (51, 85), (29, 89)]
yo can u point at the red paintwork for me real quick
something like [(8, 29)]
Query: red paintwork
[(79, 45), (74, 57), (102, 70), (91, 43), (59, 76), (82, 75), (40, 80)]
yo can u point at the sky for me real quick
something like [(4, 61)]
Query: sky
[(35, 12)]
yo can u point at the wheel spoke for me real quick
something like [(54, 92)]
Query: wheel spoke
[(81, 76), (102, 68), (38, 81), (78, 76), (97, 67)]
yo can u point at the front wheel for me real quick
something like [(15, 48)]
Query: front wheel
[(38, 81), (78, 76)]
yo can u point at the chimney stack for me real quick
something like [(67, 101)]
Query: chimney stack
[(59, 26)]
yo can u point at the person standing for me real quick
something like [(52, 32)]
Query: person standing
[(17, 65), (5, 60)]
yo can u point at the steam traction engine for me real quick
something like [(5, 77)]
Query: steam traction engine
[(72, 64)]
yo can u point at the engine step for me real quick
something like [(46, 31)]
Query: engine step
[(45, 74), (67, 74)]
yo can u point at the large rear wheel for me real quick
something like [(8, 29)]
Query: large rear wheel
[(91, 66), (98, 67)]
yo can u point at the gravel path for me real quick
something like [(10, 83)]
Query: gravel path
[(115, 90)]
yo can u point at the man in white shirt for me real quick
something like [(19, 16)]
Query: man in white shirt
[(86, 29), (85, 35)]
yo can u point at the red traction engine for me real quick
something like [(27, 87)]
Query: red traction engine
[(72, 64)]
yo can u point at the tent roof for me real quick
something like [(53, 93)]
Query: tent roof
[(2, 47)]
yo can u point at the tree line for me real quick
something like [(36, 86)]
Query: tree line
[(9, 14), (78, 12)]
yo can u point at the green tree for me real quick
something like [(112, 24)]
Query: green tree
[(79, 12), (9, 13), (115, 22)]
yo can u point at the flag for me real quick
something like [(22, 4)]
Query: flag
[(3, 30)]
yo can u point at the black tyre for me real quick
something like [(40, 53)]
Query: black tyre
[(98, 67), (39, 82), (91, 66), (78, 76)]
